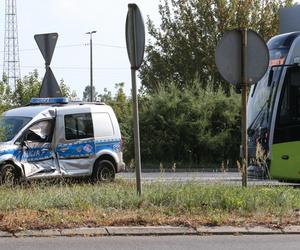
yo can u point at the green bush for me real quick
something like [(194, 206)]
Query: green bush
[(192, 125)]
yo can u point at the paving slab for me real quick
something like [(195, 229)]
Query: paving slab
[(5, 234), (152, 230), (222, 230), (38, 233), (291, 230), (84, 231)]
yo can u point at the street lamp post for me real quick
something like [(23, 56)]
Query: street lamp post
[(91, 62)]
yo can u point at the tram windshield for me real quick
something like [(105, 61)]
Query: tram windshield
[(259, 96), (261, 93)]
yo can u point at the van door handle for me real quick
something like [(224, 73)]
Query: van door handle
[(285, 157)]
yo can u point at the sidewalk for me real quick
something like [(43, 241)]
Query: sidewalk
[(153, 230)]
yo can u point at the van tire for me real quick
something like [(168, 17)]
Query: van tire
[(9, 175), (103, 171)]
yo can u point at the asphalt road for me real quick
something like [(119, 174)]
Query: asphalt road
[(263, 242), (204, 177)]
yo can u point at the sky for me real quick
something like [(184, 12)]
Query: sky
[(71, 19)]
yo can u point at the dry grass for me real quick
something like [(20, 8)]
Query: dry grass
[(41, 206)]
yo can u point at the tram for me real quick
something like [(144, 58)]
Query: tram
[(274, 113)]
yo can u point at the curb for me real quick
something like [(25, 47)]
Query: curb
[(153, 230), (230, 230)]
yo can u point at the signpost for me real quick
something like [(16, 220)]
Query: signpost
[(46, 44), (135, 42), (242, 58)]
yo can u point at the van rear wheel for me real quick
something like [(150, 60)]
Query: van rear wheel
[(9, 175), (103, 171)]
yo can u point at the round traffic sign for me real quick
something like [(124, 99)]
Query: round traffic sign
[(229, 57), (135, 36)]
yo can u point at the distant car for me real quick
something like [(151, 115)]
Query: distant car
[(52, 137), (257, 172)]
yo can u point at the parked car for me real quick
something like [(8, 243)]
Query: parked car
[(52, 138)]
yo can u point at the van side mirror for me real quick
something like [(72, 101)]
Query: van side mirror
[(270, 79)]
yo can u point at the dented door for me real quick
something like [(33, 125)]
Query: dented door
[(76, 147), (37, 156)]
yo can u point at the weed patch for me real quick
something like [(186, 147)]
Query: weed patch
[(68, 205)]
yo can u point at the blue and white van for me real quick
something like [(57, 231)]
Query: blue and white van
[(52, 138)]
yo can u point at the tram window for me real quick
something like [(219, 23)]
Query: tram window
[(283, 111), (295, 96), (295, 78), (287, 127)]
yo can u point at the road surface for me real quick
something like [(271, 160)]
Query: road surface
[(263, 242), (204, 177)]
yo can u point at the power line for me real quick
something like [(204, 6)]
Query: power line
[(96, 68), (59, 47), (76, 68), (109, 46), (76, 45)]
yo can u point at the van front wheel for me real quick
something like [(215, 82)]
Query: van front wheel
[(103, 171), (9, 175)]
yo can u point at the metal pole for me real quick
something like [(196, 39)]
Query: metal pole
[(91, 67), (91, 63), (244, 108), (136, 129)]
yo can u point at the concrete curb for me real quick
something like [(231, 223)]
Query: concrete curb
[(153, 230), (229, 230)]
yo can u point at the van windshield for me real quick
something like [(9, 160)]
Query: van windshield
[(11, 125)]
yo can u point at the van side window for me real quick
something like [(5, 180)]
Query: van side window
[(78, 126), (40, 132), (103, 125)]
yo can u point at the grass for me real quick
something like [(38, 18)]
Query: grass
[(68, 205)]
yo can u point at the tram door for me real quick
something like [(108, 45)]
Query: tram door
[(285, 163)]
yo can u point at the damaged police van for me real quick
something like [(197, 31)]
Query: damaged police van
[(54, 138)]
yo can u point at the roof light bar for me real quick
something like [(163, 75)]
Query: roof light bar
[(52, 100)]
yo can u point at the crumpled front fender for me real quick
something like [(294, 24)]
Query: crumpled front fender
[(10, 158)]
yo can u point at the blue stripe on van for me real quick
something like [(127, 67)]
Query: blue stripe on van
[(113, 145), (82, 149), (79, 149)]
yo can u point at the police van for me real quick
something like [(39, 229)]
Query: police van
[(52, 137)]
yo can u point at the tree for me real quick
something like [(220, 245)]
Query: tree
[(5, 96), (87, 95), (122, 108), (106, 97), (65, 90), (73, 96), (27, 88), (184, 45)]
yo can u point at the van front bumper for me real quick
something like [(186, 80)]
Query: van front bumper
[(121, 167)]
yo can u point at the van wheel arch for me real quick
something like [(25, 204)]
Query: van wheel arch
[(104, 169), (16, 171)]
